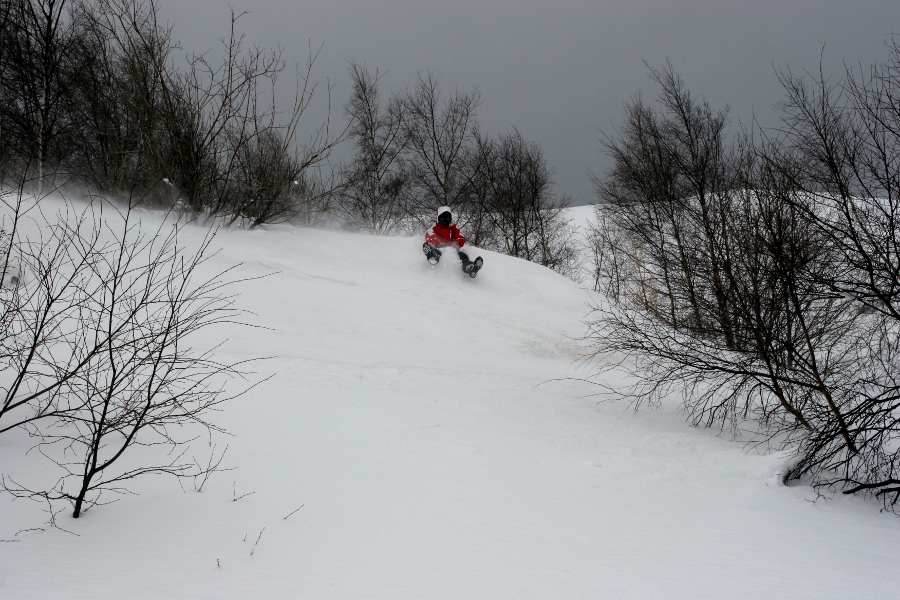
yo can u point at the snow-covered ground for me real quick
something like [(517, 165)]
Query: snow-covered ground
[(425, 423)]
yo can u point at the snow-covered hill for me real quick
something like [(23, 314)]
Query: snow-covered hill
[(424, 422)]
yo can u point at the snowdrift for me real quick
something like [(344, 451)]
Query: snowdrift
[(426, 435)]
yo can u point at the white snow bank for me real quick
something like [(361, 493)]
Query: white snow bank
[(413, 417)]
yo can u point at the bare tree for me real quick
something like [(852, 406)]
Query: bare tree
[(376, 178), (514, 185), (723, 294), (103, 360), (35, 81), (38, 309), (121, 56), (138, 124), (208, 113), (845, 138), (268, 179), (642, 201), (440, 135), (761, 280)]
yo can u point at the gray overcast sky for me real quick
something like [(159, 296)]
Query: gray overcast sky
[(557, 69)]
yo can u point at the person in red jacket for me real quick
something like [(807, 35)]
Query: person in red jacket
[(446, 233)]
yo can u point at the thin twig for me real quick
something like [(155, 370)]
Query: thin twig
[(301, 506), (235, 497), (257, 541)]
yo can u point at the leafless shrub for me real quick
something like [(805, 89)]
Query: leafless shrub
[(758, 278), (36, 39), (99, 357), (440, 135), (120, 57), (375, 193), (94, 89), (845, 139), (517, 210)]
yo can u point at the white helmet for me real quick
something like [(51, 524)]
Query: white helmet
[(445, 209)]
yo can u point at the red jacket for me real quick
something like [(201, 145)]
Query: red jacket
[(441, 235)]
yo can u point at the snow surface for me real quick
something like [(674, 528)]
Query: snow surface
[(425, 423)]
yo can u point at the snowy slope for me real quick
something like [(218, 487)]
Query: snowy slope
[(413, 416)]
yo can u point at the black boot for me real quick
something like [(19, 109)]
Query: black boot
[(473, 266), (432, 253), (464, 259)]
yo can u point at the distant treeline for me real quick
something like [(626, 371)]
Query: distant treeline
[(758, 274), (94, 93)]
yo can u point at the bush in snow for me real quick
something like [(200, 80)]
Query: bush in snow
[(760, 278), (92, 93), (97, 350)]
